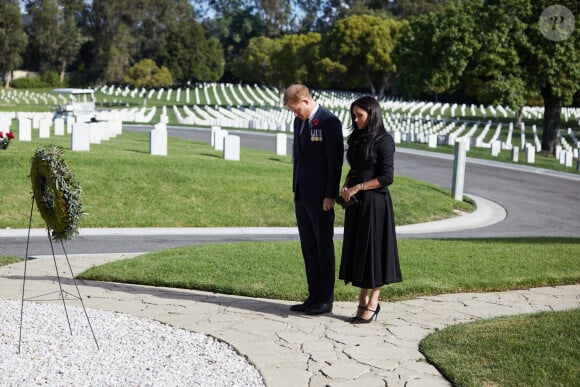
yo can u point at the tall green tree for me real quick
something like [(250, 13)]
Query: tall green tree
[(55, 32), (13, 39), (234, 30), (497, 76), (255, 61), (297, 60), (552, 66), (360, 48), (127, 31), (436, 49), (498, 50), (192, 57)]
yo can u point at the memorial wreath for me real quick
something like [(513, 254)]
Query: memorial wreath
[(56, 192)]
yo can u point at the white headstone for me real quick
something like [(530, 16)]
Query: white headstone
[(515, 154), (569, 159), (80, 138), (24, 129), (558, 150), (44, 128), (59, 126), (281, 144), (94, 133), (432, 141), (530, 153), (70, 121), (232, 148), (213, 131), (495, 148), (158, 140), (397, 137), (219, 139)]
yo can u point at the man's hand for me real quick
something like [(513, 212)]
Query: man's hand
[(328, 203)]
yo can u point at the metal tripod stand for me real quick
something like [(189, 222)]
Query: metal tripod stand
[(61, 292)]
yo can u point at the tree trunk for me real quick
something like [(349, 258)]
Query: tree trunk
[(62, 73), (552, 110), (371, 84), (519, 114)]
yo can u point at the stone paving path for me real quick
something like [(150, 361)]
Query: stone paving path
[(290, 349)]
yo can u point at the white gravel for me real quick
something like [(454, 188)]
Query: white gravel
[(132, 351)]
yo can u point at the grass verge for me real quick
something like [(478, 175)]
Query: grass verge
[(275, 270), (528, 350)]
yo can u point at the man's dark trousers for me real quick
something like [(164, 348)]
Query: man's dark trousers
[(316, 229)]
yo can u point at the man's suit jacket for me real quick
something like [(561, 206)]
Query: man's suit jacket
[(318, 166)]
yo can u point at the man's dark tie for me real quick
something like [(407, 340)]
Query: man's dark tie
[(304, 134)]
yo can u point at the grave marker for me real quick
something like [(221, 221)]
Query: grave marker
[(281, 144), (158, 140), (24, 129), (220, 135), (44, 128), (495, 148), (530, 153), (515, 154), (231, 148), (80, 139), (59, 126)]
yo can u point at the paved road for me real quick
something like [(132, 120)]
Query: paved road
[(537, 203)]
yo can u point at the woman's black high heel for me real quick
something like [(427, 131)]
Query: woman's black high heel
[(360, 307), (360, 320)]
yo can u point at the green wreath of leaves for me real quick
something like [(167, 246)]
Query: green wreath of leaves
[(57, 192)]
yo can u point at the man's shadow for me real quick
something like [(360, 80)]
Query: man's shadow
[(256, 305)]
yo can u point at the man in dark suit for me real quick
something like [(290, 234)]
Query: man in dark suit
[(318, 155)]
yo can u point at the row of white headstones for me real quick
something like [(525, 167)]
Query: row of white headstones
[(404, 127)]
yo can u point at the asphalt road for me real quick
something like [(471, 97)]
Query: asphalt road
[(538, 202)]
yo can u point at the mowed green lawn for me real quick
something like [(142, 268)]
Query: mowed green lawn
[(193, 186)]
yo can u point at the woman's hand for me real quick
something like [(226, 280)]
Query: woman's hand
[(347, 192)]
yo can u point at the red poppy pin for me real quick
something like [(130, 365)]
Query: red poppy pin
[(315, 121)]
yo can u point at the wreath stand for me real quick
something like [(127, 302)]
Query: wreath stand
[(61, 292)]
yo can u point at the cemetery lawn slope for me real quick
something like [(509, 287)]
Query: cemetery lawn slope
[(527, 350), (275, 270), (193, 186)]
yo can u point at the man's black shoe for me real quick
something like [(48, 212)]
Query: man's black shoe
[(319, 309), (302, 307)]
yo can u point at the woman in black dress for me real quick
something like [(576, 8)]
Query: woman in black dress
[(369, 255)]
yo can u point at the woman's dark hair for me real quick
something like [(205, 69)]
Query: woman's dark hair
[(361, 142)]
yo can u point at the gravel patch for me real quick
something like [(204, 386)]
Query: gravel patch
[(132, 351)]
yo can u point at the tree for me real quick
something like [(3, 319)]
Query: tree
[(360, 48), (146, 73), (190, 56), (551, 66), (408, 8), (234, 30), (54, 31), (13, 40), (497, 74), (297, 60), (125, 32), (504, 58), (255, 61), (436, 49)]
